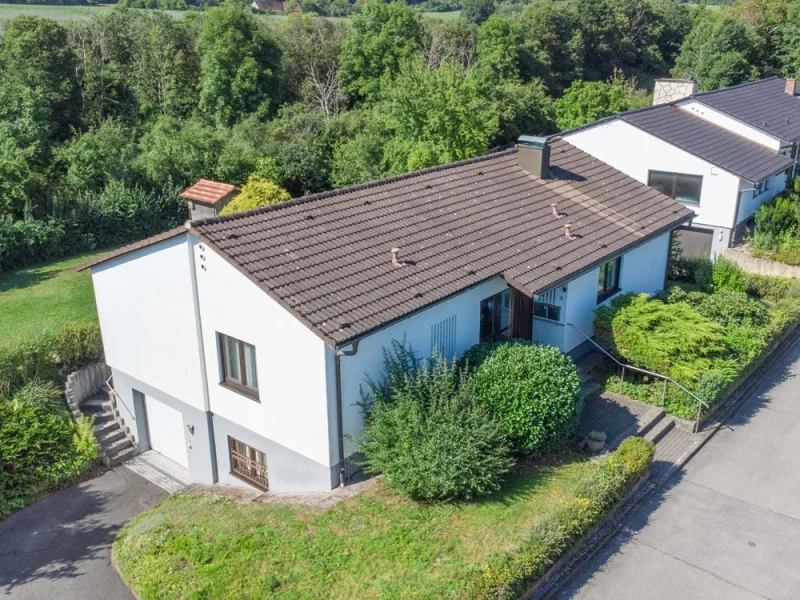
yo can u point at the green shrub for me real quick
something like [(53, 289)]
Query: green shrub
[(635, 454), (691, 270), (43, 395), (703, 274), (430, 438), (728, 307), (509, 575), (49, 357), (727, 275), (671, 339), (38, 448), (777, 216), (769, 286), (712, 386), (747, 342), (532, 389)]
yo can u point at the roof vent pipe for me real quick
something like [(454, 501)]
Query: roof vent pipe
[(556, 214), (791, 85), (533, 155), (396, 258), (568, 231)]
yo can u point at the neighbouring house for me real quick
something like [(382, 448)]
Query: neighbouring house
[(274, 6), (239, 344), (206, 198), (722, 153)]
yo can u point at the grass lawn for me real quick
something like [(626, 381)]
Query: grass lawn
[(374, 545), (45, 297)]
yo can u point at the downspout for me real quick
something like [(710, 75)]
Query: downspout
[(201, 351), (339, 420)]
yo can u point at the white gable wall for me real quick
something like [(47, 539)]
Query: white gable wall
[(730, 123), (749, 202), (145, 304), (293, 410), (635, 152)]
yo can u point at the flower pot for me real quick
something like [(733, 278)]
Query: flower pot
[(595, 445)]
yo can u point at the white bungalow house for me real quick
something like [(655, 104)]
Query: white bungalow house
[(722, 153), (238, 344)]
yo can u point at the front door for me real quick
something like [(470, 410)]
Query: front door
[(521, 315), (507, 314)]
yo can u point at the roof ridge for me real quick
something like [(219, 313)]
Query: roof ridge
[(353, 188), (731, 87)]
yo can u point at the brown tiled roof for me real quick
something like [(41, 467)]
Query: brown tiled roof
[(327, 258), (135, 246), (209, 192)]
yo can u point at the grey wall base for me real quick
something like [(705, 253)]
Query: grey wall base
[(287, 470), (196, 431), (581, 349)]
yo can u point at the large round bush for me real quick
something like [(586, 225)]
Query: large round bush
[(532, 389), (429, 436)]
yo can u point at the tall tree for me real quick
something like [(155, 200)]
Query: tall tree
[(35, 54), (587, 101), (237, 63), (383, 36)]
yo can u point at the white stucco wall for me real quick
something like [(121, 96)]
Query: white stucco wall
[(417, 331), (548, 331), (749, 202), (636, 152), (145, 304), (731, 124), (642, 270), (293, 408)]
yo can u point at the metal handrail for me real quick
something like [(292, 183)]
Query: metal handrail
[(666, 378)]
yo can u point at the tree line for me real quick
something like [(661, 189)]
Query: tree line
[(130, 104)]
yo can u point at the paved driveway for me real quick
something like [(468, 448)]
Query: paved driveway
[(729, 524), (60, 547)]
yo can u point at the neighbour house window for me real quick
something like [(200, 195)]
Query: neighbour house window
[(762, 187), (608, 282), (239, 365), (248, 463), (495, 317), (547, 311), (685, 188)]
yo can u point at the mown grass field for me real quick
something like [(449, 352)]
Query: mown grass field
[(66, 14), (45, 297), (374, 545)]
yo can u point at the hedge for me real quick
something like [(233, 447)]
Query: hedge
[(510, 575)]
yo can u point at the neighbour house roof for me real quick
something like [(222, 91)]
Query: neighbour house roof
[(763, 104), (717, 145), (209, 192), (327, 258)]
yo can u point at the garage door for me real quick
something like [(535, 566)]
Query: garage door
[(165, 426), (695, 242)]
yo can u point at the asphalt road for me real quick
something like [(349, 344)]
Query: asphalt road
[(60, 547), (728, 525)]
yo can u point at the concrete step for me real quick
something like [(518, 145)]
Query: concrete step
[(99, 404), (649, 419), (660, 429), (592, 389), (117, 458), (105, 417), (111, 435), (117, 446)]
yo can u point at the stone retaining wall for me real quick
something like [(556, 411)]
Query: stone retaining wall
[(83, 384), (761, 266)]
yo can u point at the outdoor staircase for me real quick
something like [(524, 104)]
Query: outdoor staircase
[(117, 443)]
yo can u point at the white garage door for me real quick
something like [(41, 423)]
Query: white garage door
[(165, 425)]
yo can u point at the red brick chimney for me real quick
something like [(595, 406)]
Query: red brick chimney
[(791, 84)]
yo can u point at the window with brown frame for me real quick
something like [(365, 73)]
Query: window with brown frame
[(238, 365), (495, 311), (248, 464)]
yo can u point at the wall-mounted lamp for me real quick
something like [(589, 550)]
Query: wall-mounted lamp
[(190, 427)]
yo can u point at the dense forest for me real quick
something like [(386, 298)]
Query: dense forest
[(105, 121)]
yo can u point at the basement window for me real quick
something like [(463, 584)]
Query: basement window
[(608, 281), (685, 188), (495, 317), (248, 464), (238, 365)]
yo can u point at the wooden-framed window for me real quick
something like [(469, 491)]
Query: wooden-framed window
[(238, 365), (551, 312), (495, 317), (608, 281), (248, 464), (685, 188)]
